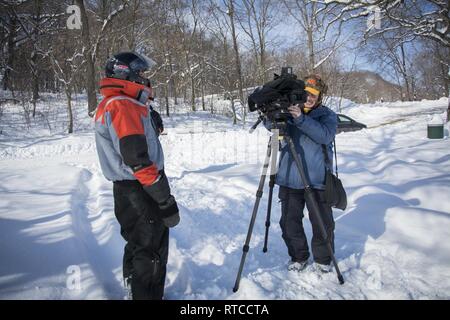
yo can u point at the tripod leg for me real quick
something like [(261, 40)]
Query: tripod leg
[(259, 194), (309, 194), (269, 209), (273, 171)]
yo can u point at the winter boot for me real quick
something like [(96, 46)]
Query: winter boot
[(323, 268), (297, 266), (127, 285)]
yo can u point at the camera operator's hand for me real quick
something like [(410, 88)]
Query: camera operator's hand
[(295, 110)]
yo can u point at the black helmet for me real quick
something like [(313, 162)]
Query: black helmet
[(129, 66)]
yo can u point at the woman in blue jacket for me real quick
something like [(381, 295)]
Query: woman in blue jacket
[(312, 126)]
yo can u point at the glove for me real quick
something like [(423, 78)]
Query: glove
[(156, 117), (168, 209), (170, 214)]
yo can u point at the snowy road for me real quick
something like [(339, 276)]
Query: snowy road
[(56, 216)]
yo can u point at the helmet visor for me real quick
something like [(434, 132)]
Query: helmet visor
[(142, 63)]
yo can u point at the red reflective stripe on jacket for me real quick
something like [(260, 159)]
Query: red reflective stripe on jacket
[(147, 175), (126, 117)]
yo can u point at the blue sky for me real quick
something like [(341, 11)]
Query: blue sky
[(288, 33)]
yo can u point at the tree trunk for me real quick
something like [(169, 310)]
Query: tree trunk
[(172, 81), (193, 92), (203, 92), (405, 74), (192, 81), (167, 100), (35, 93), (132, 38), (202, 75), (448, 91), (448, 109), (90, 63), (10, 61), (69, 110), (236, 56), (312, 58), (34, 81), (445, 71), (233, 108), (34, 55), (408, 90), (263, 63)]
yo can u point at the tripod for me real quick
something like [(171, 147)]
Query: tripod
[(271, 156)]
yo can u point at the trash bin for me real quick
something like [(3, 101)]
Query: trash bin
[(435, 131)]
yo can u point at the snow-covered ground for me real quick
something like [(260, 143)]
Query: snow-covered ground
[(57, 219)]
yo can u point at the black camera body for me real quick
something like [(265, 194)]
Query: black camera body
[(274, 98)]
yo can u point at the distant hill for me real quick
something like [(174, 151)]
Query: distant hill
[(369, 87)]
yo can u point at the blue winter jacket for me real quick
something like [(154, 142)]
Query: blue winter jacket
[(308, 132)]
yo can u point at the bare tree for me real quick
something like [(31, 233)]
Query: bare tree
[(315, 20), (425, 19), (230, 5), (91, 47), (257, 19), (410, 19), (394, 58), (89, 58), (431, 65), (8, 41), (222, 66), (188, 35), (66, 78), (37, 20)]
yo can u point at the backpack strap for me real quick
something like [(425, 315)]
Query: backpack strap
[(325, 155), (335, 157), (327, 159)]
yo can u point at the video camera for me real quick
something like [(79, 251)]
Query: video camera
[(274, 98)]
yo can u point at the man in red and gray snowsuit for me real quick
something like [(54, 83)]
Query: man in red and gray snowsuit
[(131, 156)]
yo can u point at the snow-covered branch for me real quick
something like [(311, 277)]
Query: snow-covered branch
[(428, 18), (106, 22)]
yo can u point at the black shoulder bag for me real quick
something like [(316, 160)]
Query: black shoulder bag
[(335, 194)]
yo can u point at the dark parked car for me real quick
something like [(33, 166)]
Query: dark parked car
[(345, 123)]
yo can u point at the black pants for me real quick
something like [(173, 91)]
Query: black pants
[(292, 205), (147, 247)]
